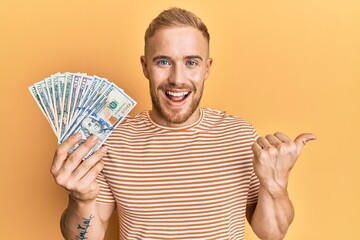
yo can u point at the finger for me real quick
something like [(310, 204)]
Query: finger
[(62, 152), (85, 166), (256, 148), (282, 137), (78, 155), (273, 140), (302, 139), (91, 175), (263, 142)]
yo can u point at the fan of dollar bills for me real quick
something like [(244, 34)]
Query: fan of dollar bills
[(77, 102)]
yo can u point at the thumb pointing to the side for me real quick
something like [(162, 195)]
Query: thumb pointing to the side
[(302, 139)]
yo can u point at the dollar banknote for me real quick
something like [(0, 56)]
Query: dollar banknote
[(89, 101), (56, 86), (35, 93), (77, 102), (65, 102), (103, 116), (45, 100)]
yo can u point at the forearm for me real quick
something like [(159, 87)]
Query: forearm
[(81, 221), (273, 214)]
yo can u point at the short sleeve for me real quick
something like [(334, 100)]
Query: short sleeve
[(254, 181), (105, 194), (253, 189)]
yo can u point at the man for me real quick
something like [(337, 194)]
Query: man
[(179, 171)]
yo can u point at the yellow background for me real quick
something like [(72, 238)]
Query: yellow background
[(291, 66)]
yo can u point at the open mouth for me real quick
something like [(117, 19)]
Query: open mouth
[(177, 96)]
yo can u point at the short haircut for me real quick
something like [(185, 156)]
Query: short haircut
[(175, 17)]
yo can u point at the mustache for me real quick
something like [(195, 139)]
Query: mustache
[(168, 86)]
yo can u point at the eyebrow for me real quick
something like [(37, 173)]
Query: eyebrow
[(193, 57), (161, 57), (169, 58)]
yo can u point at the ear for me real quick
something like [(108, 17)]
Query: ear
[(144, 66), (208, 67)]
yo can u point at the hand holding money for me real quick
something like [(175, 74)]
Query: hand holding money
[(75, 102), (73, 174)]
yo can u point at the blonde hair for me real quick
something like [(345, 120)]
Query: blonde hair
[(175, 17)]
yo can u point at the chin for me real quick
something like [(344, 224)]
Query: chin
[(178, 116)]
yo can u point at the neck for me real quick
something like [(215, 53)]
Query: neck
[(160, 120)]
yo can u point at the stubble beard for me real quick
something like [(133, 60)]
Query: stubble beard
[(175, 115)]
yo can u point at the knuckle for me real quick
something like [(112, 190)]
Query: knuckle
[(272, 151), (100, 165), (74, 157), (86, 144), (292, 146), (84, 148), (263, 155), (83, 166), (76, 173), (69, 186), (98, 156), (60, 180), (52, 170), (97, 169), (65, 169), (61, 150), (283, 148), (79, 188), (95, 157), (94, 186), (88, 164)]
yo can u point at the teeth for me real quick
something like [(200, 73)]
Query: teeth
[(177, 94)]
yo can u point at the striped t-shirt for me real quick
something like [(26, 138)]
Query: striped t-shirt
[(190, 182)]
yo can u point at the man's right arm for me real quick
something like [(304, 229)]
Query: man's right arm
[(83, 218)]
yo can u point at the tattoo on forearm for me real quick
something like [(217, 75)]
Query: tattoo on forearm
[(84, 227)]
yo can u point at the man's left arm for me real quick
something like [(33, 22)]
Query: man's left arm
[(274, 157)]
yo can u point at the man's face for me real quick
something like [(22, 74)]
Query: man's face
[(176, 64)]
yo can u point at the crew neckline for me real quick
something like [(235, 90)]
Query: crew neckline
[(177, 128)]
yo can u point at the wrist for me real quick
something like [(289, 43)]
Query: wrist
[(81, 208), (274, 190), (81, 202)]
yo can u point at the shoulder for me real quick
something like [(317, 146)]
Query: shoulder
[(134, 119), (134, 124), (219, 117), (223, 121), (228, 125), (130, 129)]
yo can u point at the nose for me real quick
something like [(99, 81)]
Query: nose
[(177, 75)]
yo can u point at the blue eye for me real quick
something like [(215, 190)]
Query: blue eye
[(163, 62), (191, 63)]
